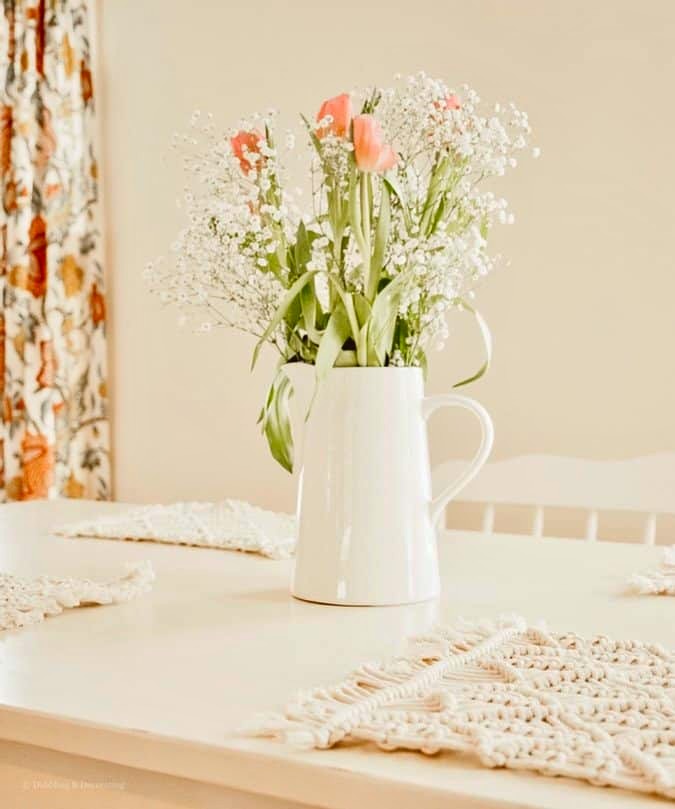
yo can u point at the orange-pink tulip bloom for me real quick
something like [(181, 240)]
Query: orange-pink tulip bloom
[(370, 151), (245, 144), (340, 111)]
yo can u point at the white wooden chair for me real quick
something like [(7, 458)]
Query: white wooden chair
[(645, 485)]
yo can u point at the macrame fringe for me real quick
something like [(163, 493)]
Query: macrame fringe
[(514, 695), (657, 582), (26, 601), (323, 717)]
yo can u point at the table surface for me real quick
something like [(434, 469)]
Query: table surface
[(164, 682)]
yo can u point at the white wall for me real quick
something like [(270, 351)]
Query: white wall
[(583, 317)]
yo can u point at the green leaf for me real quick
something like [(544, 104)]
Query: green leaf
[(381, 236), (423, 364), (273, 264), (283, 421), (437, 187), (299, 348), (275, 419), (309, 311), (337, 332), (348, 304), (293, 314), (383, 319), (362, 308), (440, 213), (346, 359), (391, 181), (303, 250), (312, 135), (281, 312), (401, 335), (370, 103), (487, 343)]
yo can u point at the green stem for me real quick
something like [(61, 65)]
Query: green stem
[(437, 187), (355, 211), (364, 181), (381, 236), (361, 354), (348, 303), (338, 229)]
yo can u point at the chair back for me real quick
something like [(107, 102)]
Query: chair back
[(645, 485)]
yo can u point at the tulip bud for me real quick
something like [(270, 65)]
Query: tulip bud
[(340, 111), (370, 151)]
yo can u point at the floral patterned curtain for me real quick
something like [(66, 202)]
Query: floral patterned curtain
[(54, 429)]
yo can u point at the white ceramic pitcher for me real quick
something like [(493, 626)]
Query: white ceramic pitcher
[(367, 518)]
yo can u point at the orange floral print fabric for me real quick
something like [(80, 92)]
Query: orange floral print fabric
[(53, 409)]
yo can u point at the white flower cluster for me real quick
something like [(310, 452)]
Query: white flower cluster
[(424, 116), (228, 266), (442, 225)]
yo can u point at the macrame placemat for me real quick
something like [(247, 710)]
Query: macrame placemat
[(660, 581), (25, 601), (236, 525), (513, 695), (229, 525)]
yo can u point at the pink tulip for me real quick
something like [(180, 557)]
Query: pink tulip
[(245, 144), (452, 102), (370, 152), (340, 110)]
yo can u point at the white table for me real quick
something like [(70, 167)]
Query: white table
[(142, 700)]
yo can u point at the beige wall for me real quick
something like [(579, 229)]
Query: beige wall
[(582, 319)]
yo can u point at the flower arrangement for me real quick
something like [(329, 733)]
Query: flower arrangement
[(395, 238)]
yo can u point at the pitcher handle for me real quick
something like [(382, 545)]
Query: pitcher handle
[(429, 406)]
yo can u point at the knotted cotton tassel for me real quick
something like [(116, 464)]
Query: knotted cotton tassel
[(294, 733)]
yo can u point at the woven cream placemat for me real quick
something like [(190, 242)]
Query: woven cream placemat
[(25, 601), (660, 581), (236, 525), (513, 695), (229, 525)]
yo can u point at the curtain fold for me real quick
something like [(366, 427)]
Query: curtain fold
[(54, 436)]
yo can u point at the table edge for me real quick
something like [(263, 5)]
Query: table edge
[(255, 772)]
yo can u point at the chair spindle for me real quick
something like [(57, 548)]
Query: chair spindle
[(592, 526), (489, 519), (650, 530), (538, 523)]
